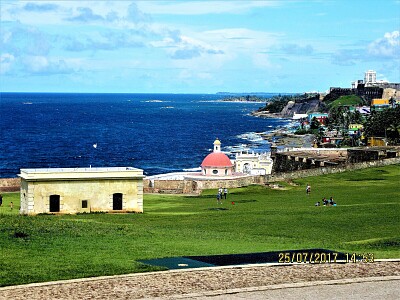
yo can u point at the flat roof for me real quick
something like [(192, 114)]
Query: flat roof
[(80, 173), (63, 170)]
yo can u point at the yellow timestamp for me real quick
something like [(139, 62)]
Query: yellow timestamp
[(307, 257), (359, 257)]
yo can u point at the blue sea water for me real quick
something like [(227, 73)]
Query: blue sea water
[(158, 133)]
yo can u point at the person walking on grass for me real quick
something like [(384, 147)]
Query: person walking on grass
[(1, 200), (219, 198), (308, 189), (225, 193), (11, 205)]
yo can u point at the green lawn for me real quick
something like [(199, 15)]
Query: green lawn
[(346, 101), (48, 247)]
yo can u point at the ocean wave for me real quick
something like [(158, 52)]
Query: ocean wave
[(155, 101), (192, 169), (250, 136), (237, 148), (167, 107)]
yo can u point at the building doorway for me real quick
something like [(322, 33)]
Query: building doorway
[(247, 168), (117, 201), (54, 203)]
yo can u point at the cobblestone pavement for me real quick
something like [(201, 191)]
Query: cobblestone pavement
[(177, 284)]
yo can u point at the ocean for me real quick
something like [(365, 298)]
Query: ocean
[(159, 133)]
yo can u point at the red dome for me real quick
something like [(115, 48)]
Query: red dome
[(216, 159)]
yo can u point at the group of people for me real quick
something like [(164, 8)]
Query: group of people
[(222, 193), (326, 202)]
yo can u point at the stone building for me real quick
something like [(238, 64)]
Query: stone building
[(253, 163), (216, 163), (77, 190)]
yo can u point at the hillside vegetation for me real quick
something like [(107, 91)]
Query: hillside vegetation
[(350, 100)]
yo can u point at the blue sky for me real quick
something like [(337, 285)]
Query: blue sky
[(196, 46)]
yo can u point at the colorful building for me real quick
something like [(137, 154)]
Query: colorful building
[(380, 104), (321, 117)]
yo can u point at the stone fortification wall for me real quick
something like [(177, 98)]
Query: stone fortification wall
[(230, 183), (324, 151), (10, 184), (170, 186), (372, 153), (195, 186), (330, 169)]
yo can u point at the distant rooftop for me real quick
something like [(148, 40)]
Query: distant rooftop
[(81, 173), (63, 170)]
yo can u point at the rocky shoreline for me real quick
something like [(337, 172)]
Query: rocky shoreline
[(264, 114), (284, 136)]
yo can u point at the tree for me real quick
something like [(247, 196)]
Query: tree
[(314, 123), (384, 124)]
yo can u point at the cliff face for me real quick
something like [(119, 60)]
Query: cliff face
[(301, 107)]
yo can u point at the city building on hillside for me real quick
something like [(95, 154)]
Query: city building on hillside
[(299, 116), (253, 163), (379, 104), (370, 78), (321, 117), (79, 190), (217, 163), (355, 129)]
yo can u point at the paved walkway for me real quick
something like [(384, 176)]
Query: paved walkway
[(369, 288)]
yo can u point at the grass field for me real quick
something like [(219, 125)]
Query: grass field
[(346, 100), (49, 247)]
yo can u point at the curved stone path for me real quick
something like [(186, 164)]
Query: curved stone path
[(178, 283)]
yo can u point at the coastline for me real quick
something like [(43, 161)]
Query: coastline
[(284, 136), (264, 114)]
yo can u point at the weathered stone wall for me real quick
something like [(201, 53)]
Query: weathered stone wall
[(330, 170), (355, 156), (286, 162), (230, 183), (169, 186), (195, 186), (10, 184), (372, 153)]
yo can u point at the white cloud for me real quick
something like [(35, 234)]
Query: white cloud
[(203, 7), (262, 61), (6, 62), (184, 47), (41, 65), (386, 47)]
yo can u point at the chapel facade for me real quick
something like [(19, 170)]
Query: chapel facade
[(217, 163)]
